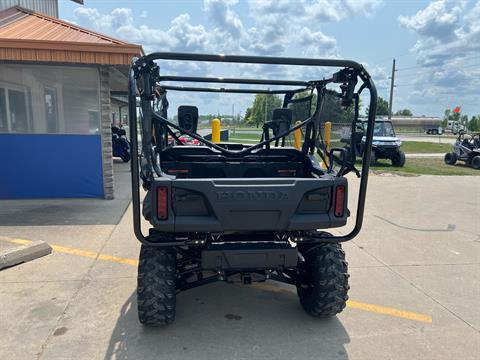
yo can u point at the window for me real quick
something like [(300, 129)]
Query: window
[(44, 99), (93, 122), (14, 106)]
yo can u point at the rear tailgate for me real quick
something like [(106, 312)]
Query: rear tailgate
[(267, 204)]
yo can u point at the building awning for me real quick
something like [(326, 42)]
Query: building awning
[(29, 36)]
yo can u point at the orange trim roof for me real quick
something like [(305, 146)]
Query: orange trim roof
[(29, 36)]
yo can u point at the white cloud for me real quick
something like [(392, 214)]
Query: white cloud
[(188, 37), (278, 27), (220, 11), (270, 33), (438, 20), (446, 30), (363, 7), (275, 8), (380, 75), (106, 22), (324, 10), (448, 42), (319, 10), (317, 44), (280, 23)]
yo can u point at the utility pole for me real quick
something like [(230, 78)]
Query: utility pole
[(392, 85)]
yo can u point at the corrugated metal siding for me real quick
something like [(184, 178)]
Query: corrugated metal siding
[(48, 7), (79, 57)]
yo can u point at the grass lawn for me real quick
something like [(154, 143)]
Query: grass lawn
[(419, 166), (425, 166), (419, 147), (409, 147), (245, 136)]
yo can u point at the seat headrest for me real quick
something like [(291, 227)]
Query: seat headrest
[(282, 114), (188, 117), (282, 120)]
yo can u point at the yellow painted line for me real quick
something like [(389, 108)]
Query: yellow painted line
[(79, 252), (377, 309)]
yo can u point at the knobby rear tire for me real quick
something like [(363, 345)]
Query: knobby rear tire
[(476, 162), (156, 300), (323, 290), (450, 158), (399, 159)]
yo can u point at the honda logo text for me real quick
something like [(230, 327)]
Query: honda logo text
[(239, 195)]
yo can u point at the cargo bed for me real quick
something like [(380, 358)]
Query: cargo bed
[(242, 204)]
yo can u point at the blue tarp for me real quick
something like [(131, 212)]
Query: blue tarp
[(50, 166)]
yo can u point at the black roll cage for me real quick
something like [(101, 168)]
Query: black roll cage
[(144, 75)]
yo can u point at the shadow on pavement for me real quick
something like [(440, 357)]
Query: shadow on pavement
[(37, 212), (224, 321)]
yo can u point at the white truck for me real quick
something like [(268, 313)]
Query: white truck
[(452, 126), (455, 127), (431, 125)]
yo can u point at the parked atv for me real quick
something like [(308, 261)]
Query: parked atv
[(385, 145), (242, 212), (467, 149), (120, 144)]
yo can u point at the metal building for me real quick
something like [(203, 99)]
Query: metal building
[(56, 108)]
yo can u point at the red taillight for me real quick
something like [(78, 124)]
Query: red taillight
[(162, 203), (339, 200)]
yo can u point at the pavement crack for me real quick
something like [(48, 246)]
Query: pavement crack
[(450, 227)]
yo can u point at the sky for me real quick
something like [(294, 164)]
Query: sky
[(436, 44)]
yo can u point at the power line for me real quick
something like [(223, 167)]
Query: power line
[(395, 56), (416, 74), (438, 66)]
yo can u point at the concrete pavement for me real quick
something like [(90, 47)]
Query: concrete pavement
[(419, 251), (425, 155)]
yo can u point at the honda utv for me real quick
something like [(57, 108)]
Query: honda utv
[(245, 213)]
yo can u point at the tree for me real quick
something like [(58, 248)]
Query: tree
[(248, 115), (255, 115), (382, 107), (450, 115), (332, 109), (474, 123), (404, 112)]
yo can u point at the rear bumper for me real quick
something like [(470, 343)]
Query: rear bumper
[(241, 205), (256, 257)]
